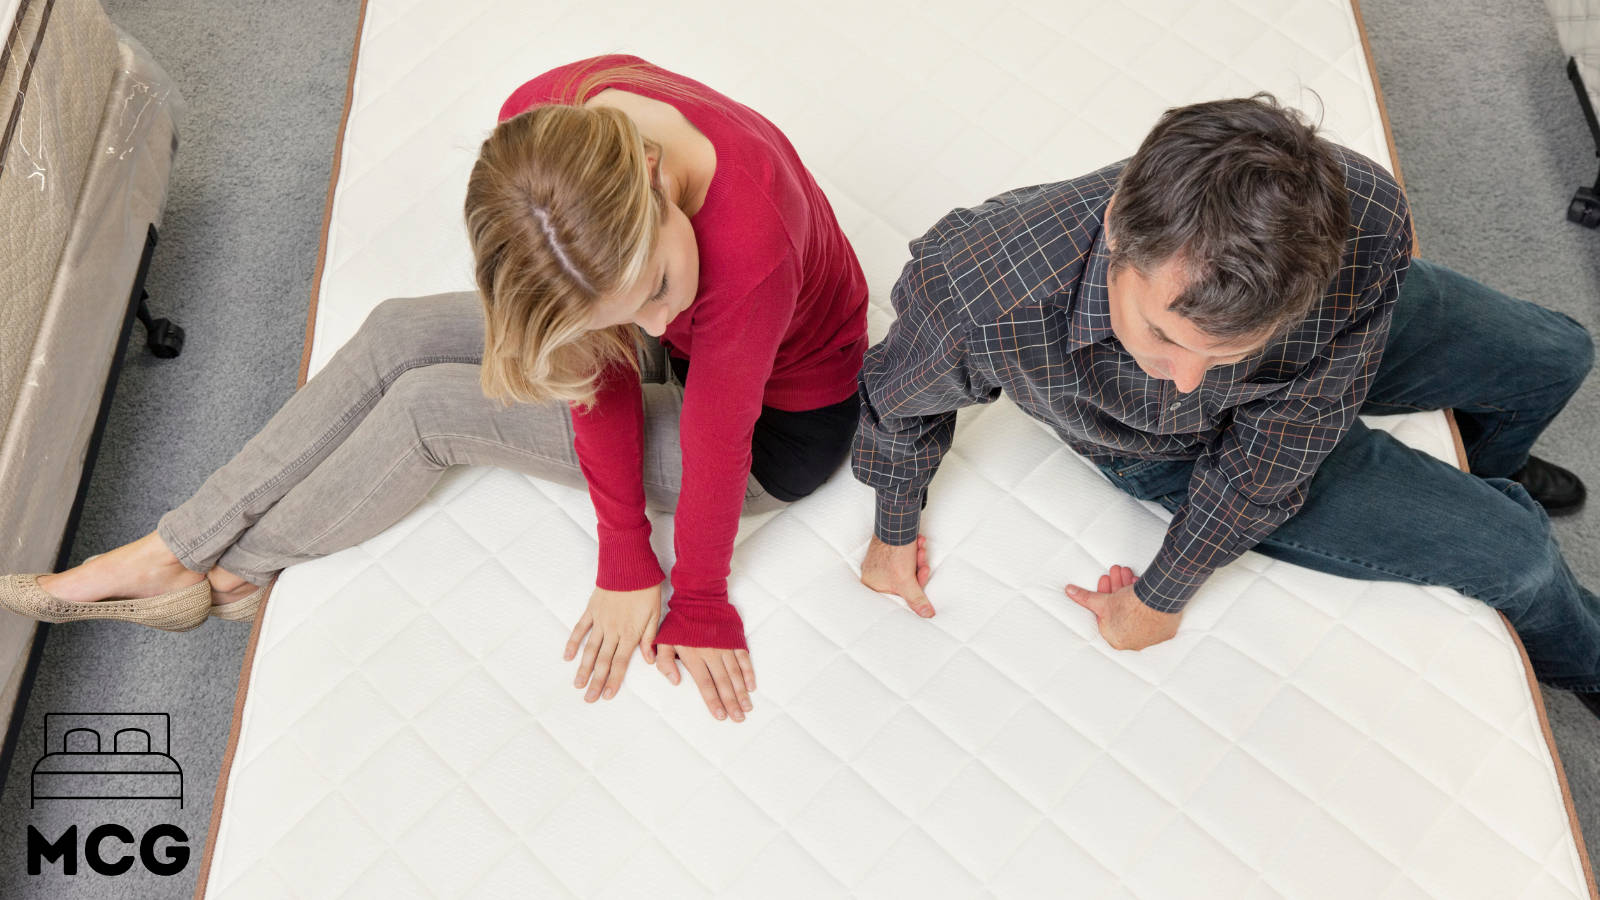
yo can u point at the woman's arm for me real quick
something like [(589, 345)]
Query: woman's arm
[(735, 341), (609, 440)]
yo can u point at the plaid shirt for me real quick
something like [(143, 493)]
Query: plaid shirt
[(1011, 296)]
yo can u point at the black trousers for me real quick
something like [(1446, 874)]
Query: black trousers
[(793, 452)]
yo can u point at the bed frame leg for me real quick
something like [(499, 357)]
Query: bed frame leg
[(162, 336), (1585, 206)]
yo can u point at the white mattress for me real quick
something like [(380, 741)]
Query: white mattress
[(1578, 28), (409, 729)]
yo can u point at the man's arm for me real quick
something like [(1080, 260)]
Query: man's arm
[(911, 385), (1255, 475)]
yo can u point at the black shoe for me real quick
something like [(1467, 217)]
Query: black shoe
[(1557, 490), (1589, 699)]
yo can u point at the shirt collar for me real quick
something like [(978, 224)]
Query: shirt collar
[(1091, 309)]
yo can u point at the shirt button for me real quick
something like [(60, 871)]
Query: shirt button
[(1175, 405)]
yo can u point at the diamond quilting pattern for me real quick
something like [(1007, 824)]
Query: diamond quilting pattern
[(1001, 724), (1303, 735)]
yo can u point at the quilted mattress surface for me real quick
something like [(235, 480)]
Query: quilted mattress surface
[(1578, 28), (409, 728)]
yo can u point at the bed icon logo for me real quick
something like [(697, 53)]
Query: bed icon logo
[(107, 756)]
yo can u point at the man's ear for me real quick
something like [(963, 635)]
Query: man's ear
[(1110, 202)]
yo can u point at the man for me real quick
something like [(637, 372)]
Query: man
[(1204, 321)]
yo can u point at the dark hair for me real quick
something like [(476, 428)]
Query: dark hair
[(1251, 201)]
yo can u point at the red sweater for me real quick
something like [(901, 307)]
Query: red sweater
[(779, 319)]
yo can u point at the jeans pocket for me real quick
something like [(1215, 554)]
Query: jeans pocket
[(1149, 479), (1130, 469)]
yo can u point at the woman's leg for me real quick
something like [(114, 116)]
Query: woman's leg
[(430, 418), (397, 336)]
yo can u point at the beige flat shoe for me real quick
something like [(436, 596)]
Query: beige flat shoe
[(243, 610), (177, 610)]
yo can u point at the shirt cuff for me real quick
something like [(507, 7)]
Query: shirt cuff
[(898, 519), (712, 623), (627, 561), (1165, 587)]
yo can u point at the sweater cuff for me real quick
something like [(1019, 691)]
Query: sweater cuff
[(627, 561), (712, 623), (898, 519)]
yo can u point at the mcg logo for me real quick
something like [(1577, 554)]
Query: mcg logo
[(108, 756)]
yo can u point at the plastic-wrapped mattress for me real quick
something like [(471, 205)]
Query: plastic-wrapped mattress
[(405, 724), (87, 136)]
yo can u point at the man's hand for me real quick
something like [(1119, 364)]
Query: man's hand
[(725, 677), (1125, 621), (902, 571)]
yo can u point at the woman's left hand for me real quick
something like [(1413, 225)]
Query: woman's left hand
[(725, 677)]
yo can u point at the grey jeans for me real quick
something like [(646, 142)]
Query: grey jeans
[(366, 438)]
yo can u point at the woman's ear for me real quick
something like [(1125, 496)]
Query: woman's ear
[(653, 160), (656, 187)]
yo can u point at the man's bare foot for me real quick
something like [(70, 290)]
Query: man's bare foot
[(143, 568)]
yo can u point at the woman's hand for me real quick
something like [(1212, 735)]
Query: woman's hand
[(725, 677), (616, 622)]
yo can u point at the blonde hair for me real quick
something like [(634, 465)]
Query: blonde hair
[(563, 208)]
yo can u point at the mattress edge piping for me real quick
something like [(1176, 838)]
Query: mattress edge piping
[(219, 790), (1383, 110), (327, 208), (1575, 828), (1555, 757)]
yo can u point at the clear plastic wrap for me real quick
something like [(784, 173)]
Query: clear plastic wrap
[(90, 130)]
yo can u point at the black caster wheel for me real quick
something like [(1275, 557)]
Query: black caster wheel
[(162, 336), (1585, 208), (165, 339)]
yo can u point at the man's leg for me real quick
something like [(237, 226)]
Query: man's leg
[(1505, 366), (1379, 510)]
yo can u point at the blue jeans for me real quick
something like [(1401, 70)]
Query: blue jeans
[(1379, 510)]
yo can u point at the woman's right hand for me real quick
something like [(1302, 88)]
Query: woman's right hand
[(616, 622)]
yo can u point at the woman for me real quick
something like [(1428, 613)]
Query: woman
[(613, 197)]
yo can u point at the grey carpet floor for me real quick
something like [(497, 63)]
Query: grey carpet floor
[(1488, 134), (264, 84)]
